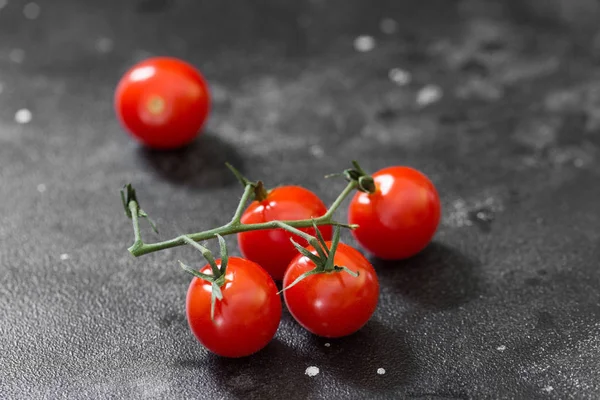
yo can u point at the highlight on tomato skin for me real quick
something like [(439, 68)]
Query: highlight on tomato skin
[(247, 317), (272, 248), (400, 218), (162, 102), (332, 304)]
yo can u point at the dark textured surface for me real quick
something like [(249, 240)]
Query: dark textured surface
[(504, 303)]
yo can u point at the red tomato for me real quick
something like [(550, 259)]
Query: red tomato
[(247, 317), (272, 248), (163, 102), (332, 304), (400, 218)]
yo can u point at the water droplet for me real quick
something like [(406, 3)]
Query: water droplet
[(312, 371), (388, 26), (364, 43), (104, 45), (429, 94), (23, 116), (17, 55), (31, 10), (501, 348), (41, 188), (317, 151), (64, 257), (400, 76), (380, 371)]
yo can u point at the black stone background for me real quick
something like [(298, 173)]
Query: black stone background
[(503, 305)]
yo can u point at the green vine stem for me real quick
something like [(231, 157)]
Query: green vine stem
[(139, 248)]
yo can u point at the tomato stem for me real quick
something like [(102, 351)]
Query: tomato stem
[(140, 248), (248, 190)]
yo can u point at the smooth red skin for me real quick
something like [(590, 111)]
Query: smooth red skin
[(272, 248), (247, 318), (187, 102), (332, 304), (400, 219)]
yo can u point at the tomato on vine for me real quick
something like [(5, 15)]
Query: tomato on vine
[(163, 102), (398, 217), (272, 248), (331, 297), (232, 305)]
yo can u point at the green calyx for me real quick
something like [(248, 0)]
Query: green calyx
[(323, 260), (363, 181), (217, 279), (260, 192)]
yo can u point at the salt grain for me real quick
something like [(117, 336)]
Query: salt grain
[(501, 348), (388, 26), (41, 188), (23, 116), (104, 45), (64, 257), (31, 10), (17, 55), (400, 76), (364, 43), (312, 371), (380, 371), (429, 94), (548, 389), (327, 344)]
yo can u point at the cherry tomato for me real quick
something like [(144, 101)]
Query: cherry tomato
[(163, 102), (272, 248), (400, 218), (332, 304), (247, 317)]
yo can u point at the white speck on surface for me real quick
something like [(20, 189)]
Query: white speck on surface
[(364, 43), (548, 389), (578, 162), (380, 371), (312, 371), (104, 45), (3, 3), (317, 151), (41, 188), (31, 10), (64, 257), (327, 344), (388, 26), (501, 348), (17, 55), (400, 76), (429, 94), (23, 116)]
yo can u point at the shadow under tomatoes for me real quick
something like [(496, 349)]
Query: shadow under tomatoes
[(200, 165), (258, 376), (439, 277), (357, 357)]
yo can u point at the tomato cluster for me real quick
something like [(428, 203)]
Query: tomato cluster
[(396, 219), (330, 288)]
